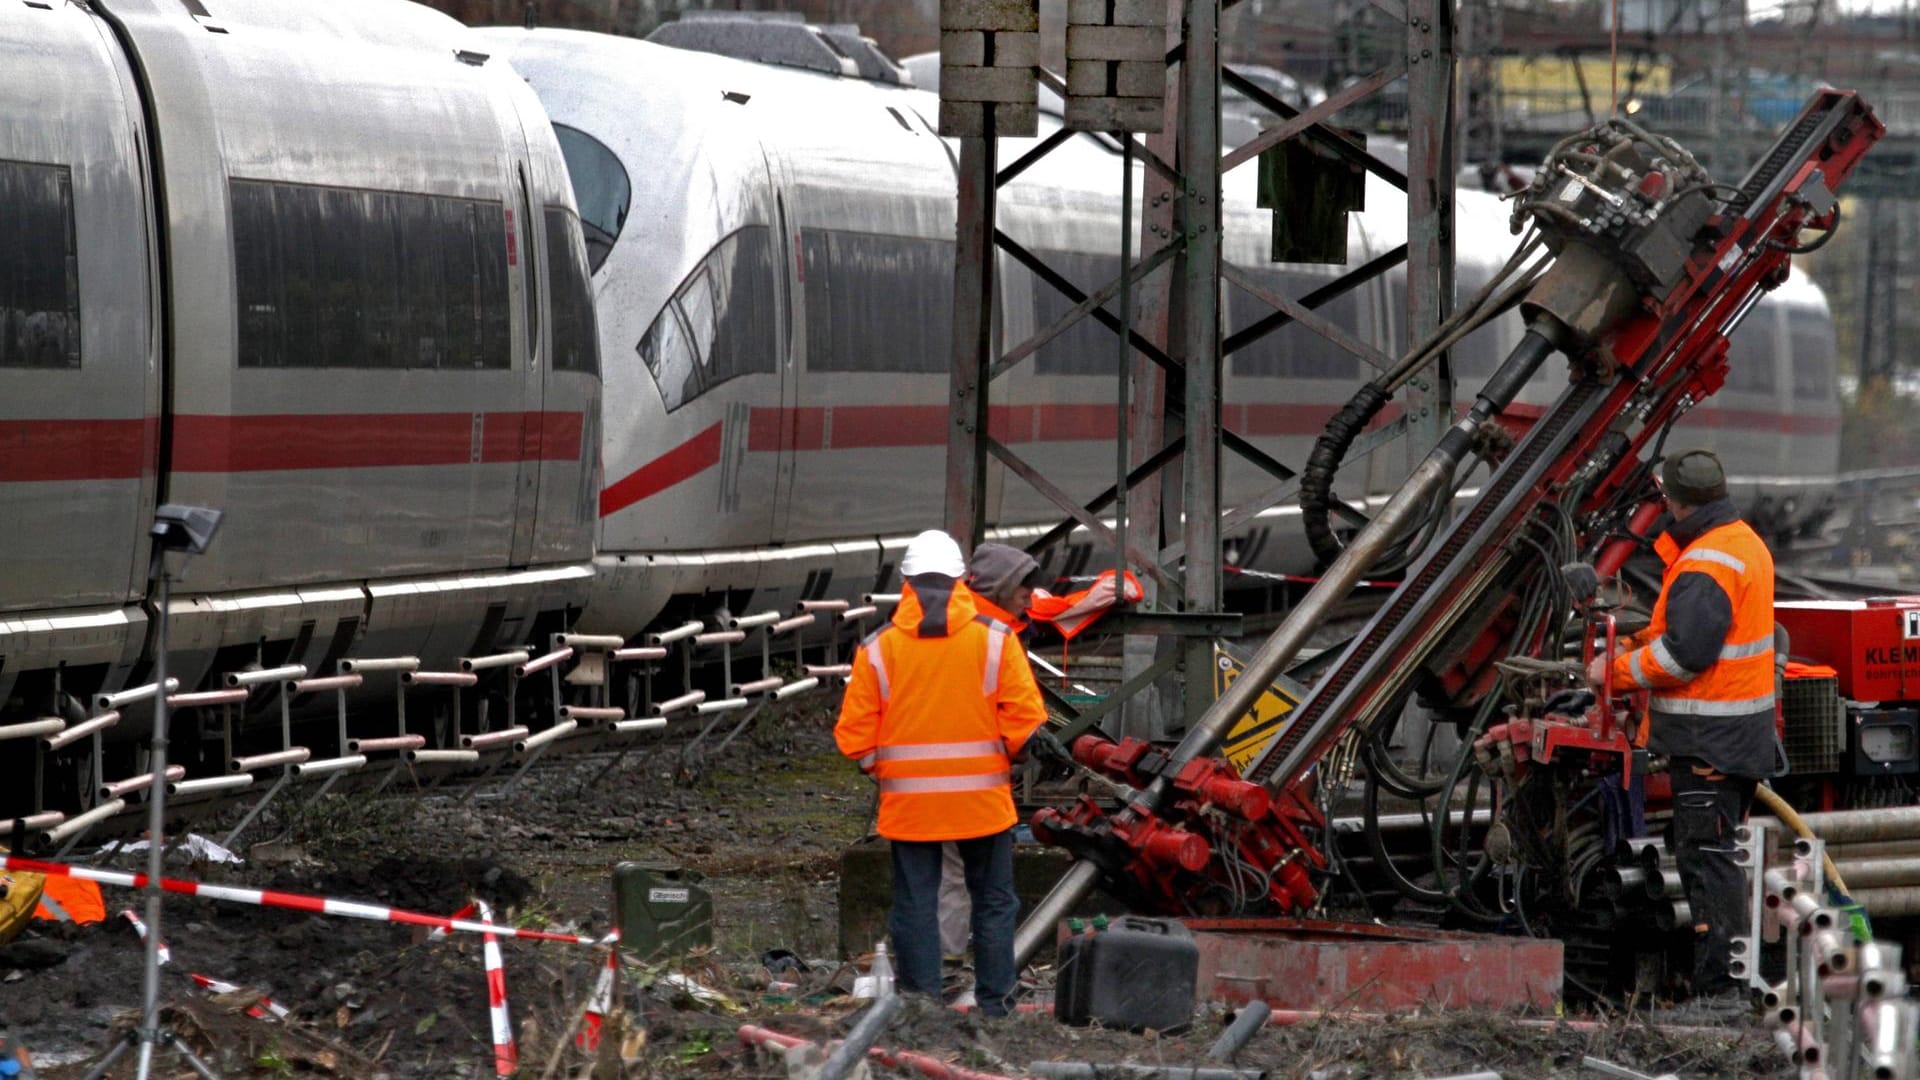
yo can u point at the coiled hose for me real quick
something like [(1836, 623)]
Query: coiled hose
[(1329, 450)]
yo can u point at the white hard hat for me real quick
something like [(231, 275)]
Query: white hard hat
[(933, 552)]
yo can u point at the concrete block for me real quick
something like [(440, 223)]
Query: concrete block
[(1131, 78), (1013, 48), (988, 84), (963, 119), (1115, 114), (1116, 43), (1125, 12), (990, 15), (866, 890), (963, 48)]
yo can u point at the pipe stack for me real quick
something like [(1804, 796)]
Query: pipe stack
[(1877, 852)]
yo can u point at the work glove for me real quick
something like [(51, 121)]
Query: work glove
[(1045, 748)]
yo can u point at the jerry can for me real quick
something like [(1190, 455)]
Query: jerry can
[(661, 910), (1133, 973)]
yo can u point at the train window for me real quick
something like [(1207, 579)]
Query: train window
[(1088, 347), (576, 344), (1810, 337), (1750, 357), (719, 324), (877, 302), (343, 278), (600, 189), (1292, 351), (39, 268)]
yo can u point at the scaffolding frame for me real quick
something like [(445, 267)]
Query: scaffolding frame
[(1168, 393)]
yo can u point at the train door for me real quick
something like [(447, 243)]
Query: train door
[(786, 250), (79, 346), (532, 338)]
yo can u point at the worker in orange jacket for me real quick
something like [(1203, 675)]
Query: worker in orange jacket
[(1002, 580), (1707, 660), (940, 704)]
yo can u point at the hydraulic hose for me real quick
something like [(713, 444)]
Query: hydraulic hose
[(1772, 801)]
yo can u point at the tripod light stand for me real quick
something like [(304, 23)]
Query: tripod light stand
[(186, 529)]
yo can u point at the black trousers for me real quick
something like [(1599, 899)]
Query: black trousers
[(1707, 809)]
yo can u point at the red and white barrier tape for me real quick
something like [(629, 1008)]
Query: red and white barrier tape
[(140, 927), (439, 933), (601, 1003), (506, 1056), (206, 982), (318, 905)]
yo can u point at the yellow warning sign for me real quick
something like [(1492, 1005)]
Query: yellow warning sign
[(1251, 734)]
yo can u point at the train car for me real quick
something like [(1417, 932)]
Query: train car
[(317, 266), (773, 264)]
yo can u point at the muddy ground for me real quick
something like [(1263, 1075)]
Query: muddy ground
[(765, 824)]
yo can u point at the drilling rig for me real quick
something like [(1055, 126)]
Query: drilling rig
[(1637, 267)]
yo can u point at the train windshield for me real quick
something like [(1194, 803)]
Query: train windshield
[(600, 187)]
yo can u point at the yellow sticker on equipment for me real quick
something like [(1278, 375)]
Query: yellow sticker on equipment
[(1251, 734)]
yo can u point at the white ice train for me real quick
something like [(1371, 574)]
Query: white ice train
[(318, 266), (773, 253)]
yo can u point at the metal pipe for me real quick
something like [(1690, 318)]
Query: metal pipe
[(266, 675), (634, 727), (828, 670), (117, 788), (757, 686), (50, 725), (205, 785), (82, 822), (855, 614), (203, 698), (293, 756), (720, 637), (1874, 849), (602, 642), (1871, 873), (368, 665), (83, 729), (1663, 883), (1860, 826), (46, 819), (328, 766), (1246, 1023), (488, 740), (684, 630), (592, 712), (641, 652), (820, 605), (1628, 877), (381, 746), (685, 701), (749, 622), (547, 660), (723, 705), (853, 1049), (129, 696), (443, 757), (1890, 901), (788, 626), (795, 688), (1412, 502), (559, 730), (496, 660), (325, 682), (878, 598), (439, 678)]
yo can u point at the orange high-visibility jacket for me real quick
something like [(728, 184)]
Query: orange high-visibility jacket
[(940, 703), (71, 899), (1707, 656)]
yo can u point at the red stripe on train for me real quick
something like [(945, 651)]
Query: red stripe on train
[(68, 450), (299, 441), (689, 459)]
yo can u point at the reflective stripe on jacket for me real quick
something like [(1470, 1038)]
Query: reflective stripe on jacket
[(1707, 656), (939, 704)]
